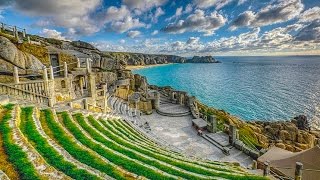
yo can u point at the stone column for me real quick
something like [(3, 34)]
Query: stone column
[(51, 75), (14, 30), (254, 165), (86, 106), (24, 33), (81, 85), (157, 100), (298, 171), (29, 41), (2, 27), (65, 70), (266, 168), (232, 134), (45, 74), (105, 103), (88, 65), (92, 86), (16, 75), (212, 124), (78, 63)]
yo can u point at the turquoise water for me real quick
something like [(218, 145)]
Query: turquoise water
[(253, 88)]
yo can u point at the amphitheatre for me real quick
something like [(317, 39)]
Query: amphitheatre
[(70, 111)]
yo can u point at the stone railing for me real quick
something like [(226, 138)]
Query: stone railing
[(36, 86), (23, 94)]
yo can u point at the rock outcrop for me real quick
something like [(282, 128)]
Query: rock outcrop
[(202, 59), (145, 59), (11, 56)]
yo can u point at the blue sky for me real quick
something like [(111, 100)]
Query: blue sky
[(191, 27)]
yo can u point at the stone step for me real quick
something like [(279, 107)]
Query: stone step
[(225, 150), (220, 137)]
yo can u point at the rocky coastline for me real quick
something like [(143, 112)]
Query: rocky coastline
[(294, 135)]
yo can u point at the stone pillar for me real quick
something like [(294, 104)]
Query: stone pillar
[(86, 106), (88, 65), (16, 75), (14, 30), (298, 171), (254, 165), (50, 102), (157, 100), (105, 103), (51, 75), (78, 63), (65, 70), (2, 27), (29, 41), (24, 33), (232, 134), (212, 124), (45, 74), (92, 86), (266, 168), (81, 85)]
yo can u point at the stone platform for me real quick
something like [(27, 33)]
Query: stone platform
[(166, 108), (178, 131)]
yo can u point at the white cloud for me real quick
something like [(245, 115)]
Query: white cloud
[(126, 24), (159, 12), (143, 5), (205, 4), (52, 33), (281, 11), (133, 34), (193, 40), (69, 14), (115, 14), (122, 41), (310, 15), (155, 32), (188, 9), (176, 15), (199, 22)]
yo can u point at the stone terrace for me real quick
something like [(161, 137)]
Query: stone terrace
[(178, 131)]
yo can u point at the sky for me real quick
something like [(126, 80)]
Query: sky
[(181, 27)]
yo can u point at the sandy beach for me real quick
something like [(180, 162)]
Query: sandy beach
[(132, 67)]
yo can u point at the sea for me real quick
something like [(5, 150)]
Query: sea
[(252, 88)]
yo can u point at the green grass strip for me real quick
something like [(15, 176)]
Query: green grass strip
[(16, 155), (28, 128), (75, 150), (128, 164), (187, 167)]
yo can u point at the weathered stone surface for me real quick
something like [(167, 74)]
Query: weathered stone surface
[(14, 57)]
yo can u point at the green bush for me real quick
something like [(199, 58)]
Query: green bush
[(28, 128), (16, 155)]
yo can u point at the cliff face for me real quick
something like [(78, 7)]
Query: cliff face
[(145, 59), (202, 59)]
